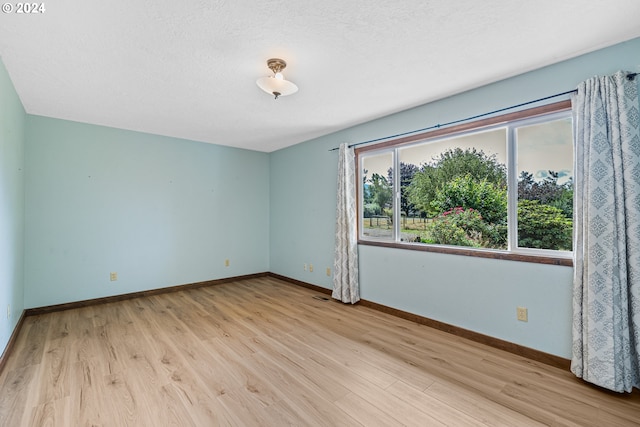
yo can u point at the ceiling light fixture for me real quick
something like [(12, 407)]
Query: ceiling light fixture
[(276, 85)]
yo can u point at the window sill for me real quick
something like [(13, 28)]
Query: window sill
[(492, 254)]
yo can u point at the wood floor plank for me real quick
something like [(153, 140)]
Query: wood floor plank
[(52, 413), (243, 409), (348, 359), (36, 330), (311, 410), (366, 413), (311, 403), (306, 371), (479, 407), (54, 371), (169, 410), (16, 390), (87, 393), (434, 407), (264, 352), (397, 407)]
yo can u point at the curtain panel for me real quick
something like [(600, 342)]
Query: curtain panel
[(345, 267), (606, 298)]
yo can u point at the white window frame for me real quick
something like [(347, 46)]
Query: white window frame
[(533, 116)]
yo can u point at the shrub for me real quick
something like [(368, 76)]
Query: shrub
[(466, 192), (458, 227), (543, 226), (465, 227)]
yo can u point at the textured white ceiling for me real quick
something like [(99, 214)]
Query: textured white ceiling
[(187, 68)]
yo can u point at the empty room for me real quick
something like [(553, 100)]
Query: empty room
[(337, 213)]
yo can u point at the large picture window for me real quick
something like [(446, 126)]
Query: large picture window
[(497, 187)]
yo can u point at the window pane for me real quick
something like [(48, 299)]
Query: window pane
[(545, 185), (454, 191), (377, 196)]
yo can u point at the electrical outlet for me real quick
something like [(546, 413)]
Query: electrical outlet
[(226, 263), (113, 276), (328, 271), (311, 268), (305, 267), (523, 314), (8, 311)]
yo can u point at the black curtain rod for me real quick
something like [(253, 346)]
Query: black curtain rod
[(630, 76), (439, 125)]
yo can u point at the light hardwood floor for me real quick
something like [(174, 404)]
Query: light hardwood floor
[(262, 352)]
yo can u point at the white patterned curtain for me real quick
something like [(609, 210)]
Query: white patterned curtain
[(345, 266), (606, 299)]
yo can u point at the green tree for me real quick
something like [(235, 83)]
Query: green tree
[(380, 191), (453, 163), (366, 192), (547, 191), (407, 171)]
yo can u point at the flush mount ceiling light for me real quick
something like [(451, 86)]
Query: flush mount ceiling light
[(276, 85)]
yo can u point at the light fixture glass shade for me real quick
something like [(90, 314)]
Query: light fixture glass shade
[(276, 87)]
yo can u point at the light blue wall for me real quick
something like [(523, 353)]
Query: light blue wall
[(12, 122), (158, 211), (302, 211), (474, 293)]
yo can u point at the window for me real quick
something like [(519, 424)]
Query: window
[(501, 187)]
